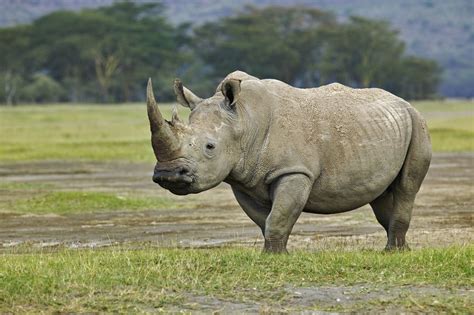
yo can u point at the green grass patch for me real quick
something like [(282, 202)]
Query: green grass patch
[(452, 140), (121, 132), (452, 134), (14, 186), (62, 202), (115, 280), (78, 132), (124, 150), (444, 106), (455, 123)]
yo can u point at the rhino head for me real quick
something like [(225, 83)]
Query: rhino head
[(198, 155)]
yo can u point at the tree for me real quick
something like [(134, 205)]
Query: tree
[(105, 68), (14, 44), (308, 48), (106, 54), (419, 78), (10, 83), (361, 53), (42, 89), (275, 42)]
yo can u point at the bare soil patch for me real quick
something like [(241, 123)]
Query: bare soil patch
[(309, 300)]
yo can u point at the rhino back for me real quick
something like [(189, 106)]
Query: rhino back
[(353, 141)]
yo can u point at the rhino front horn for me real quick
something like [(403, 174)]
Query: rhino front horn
[(163, 137), (154, 114)]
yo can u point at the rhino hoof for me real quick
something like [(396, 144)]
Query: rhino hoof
[(392, 248), (274, 246)]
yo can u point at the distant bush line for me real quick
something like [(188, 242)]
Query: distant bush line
[(107, 54)]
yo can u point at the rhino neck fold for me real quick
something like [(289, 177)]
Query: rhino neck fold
[(253, 146)]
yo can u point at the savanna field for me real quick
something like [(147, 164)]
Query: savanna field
[(83, 228)]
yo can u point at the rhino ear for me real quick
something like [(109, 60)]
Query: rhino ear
[(184, 96), (231, 89)]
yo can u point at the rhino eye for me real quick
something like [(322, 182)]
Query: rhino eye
[(210, 146)]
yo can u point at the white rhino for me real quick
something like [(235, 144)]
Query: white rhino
[(285, 150)]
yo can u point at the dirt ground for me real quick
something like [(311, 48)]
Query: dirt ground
[(443, 214)]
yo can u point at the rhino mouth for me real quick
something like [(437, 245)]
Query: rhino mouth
[(179, 175), (175, 178)]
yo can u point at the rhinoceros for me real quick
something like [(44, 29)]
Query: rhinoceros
[(287, 150)]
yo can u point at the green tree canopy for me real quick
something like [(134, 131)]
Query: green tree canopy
[(104, 54), (107, 54), (306, 48), (275, 42)]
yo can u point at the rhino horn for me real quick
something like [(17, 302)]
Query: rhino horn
[(174, 116), (163, 135), (184, 96)]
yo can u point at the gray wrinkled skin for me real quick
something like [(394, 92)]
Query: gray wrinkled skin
[(286, 150)]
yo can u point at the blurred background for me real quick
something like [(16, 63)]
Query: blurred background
[(103, 51)]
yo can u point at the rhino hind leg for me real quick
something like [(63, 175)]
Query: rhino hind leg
[(399, 221), (393, 208), (383, 207), (393, 211)]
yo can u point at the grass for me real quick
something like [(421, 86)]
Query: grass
[(451, 130), (120, 280), (455, 106), (85, 132), (452, 140), (62, 202), (121, 132), (21, 186)]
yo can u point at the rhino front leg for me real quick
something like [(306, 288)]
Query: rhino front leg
[(289, 196), (256, 211)]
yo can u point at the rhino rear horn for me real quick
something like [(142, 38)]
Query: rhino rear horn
[(162, 135), (184, 96)]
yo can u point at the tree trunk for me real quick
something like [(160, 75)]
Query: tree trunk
[(10, 88), (105, 69)]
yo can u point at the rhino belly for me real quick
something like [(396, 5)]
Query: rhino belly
[(360, 160), (348, 195)]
